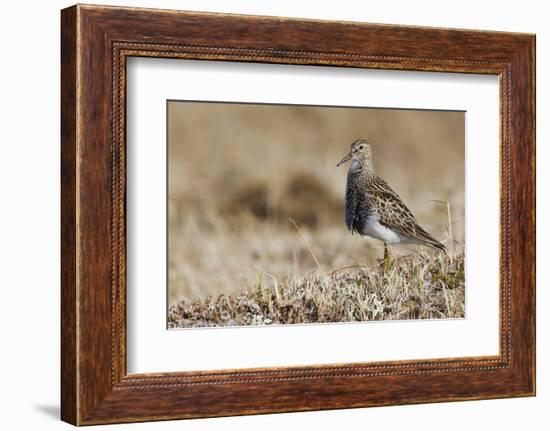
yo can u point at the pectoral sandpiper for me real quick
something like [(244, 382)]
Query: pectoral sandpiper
[(374, 209)]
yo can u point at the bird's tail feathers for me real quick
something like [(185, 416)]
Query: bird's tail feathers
[(427, 239)]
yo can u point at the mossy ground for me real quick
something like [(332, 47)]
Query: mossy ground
[(422, 285)]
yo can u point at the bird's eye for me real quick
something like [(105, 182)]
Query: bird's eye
[(361, 147)]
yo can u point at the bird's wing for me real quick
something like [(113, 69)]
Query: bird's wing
[(394, 214), (391, 210)]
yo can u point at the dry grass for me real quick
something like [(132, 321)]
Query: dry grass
[(421, 285)]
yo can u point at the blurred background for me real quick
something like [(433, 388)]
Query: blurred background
[(254, 194)]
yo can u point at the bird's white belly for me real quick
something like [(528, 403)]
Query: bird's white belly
[(376, 230)]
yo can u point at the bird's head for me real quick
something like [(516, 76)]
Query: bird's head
[(360, 150)]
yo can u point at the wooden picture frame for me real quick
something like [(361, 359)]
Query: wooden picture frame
[(95, 43)]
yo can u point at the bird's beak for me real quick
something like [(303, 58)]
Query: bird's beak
[(345, 159)]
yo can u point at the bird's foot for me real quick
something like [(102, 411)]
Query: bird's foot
[(386, 264)]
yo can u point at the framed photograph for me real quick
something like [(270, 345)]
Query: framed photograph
[(264, 214)]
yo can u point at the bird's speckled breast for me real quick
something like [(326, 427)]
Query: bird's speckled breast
[(357, 202)]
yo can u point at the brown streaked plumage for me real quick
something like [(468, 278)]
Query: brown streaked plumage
[(374, 209)]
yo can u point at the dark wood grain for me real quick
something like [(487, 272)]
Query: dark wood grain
[(96, 41), (69, 397)]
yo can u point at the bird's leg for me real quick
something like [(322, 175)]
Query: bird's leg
[(387, 262)]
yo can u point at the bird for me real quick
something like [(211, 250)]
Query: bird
[(374, 209)]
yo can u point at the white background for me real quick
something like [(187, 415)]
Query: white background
[(29, 220), (151, 348)]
